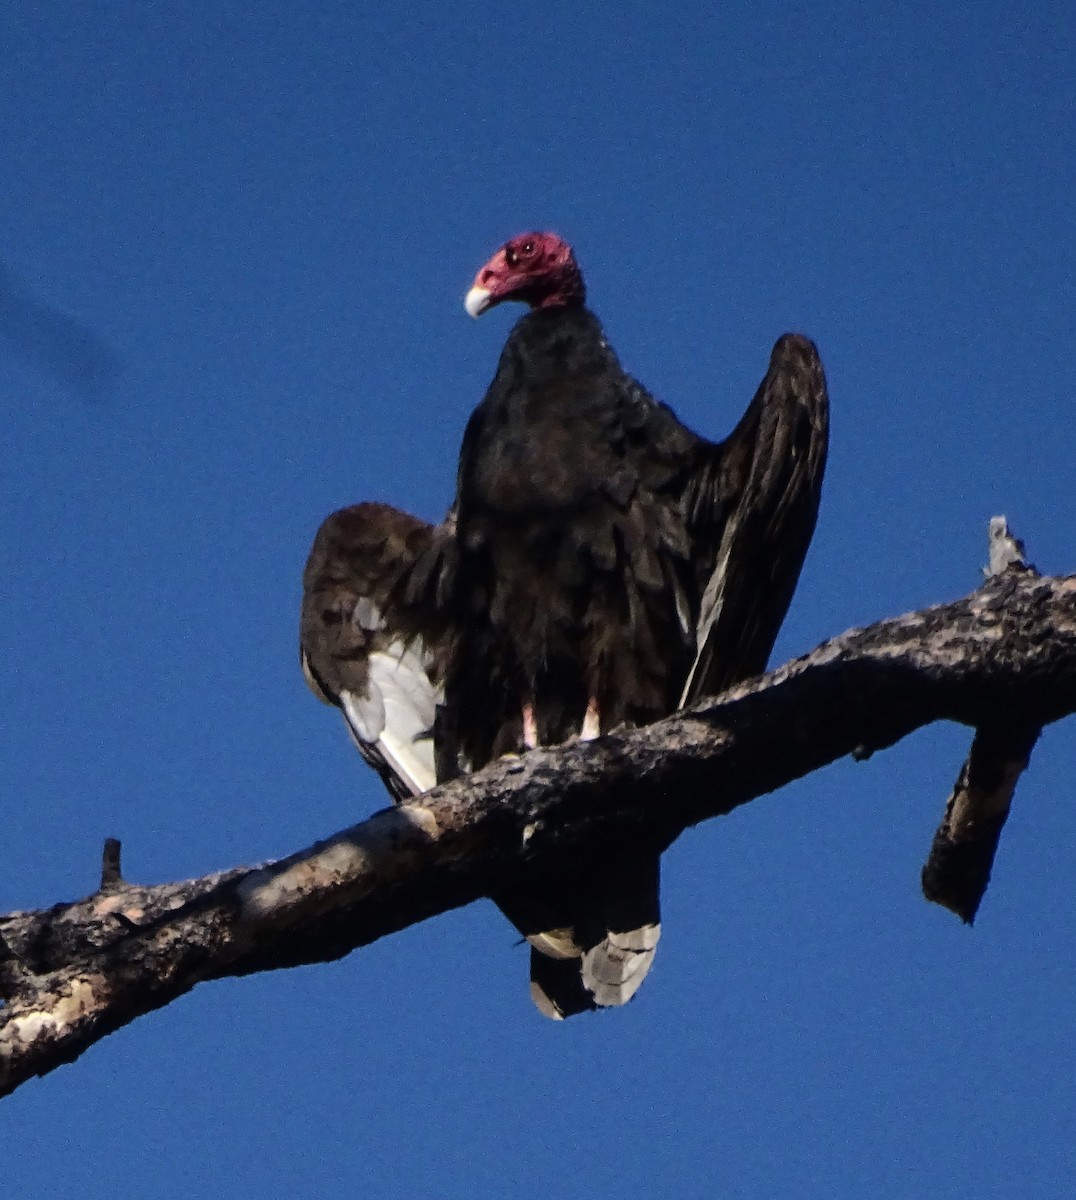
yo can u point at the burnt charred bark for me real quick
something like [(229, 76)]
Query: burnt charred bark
[(957, 871)]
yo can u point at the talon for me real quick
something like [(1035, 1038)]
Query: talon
[(592, 722), (530, 727)]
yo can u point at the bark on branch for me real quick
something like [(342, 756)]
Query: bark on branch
[(961, 858), (1003, 658)]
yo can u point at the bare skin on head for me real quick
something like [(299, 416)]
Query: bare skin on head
[(538, 269)]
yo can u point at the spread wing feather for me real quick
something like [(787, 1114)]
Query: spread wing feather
[(361, 646), (751, 509)]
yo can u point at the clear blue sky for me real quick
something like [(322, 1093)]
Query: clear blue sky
[(235, 241)]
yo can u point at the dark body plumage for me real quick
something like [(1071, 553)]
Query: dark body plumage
[(603, 566), (575, 570)]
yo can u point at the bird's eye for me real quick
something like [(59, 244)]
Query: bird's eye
[(527, 248), (510, 256)]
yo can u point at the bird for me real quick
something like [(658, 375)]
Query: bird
[(601, 566)]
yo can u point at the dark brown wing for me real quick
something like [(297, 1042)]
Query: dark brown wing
[(365, 648), (751, 510)]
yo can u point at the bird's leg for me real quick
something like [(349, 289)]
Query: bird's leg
[(592, 721), (530, 727)]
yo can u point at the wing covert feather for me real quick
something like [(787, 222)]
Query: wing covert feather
[(371, 638)]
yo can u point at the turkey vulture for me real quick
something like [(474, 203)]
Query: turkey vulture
[(602, 566)]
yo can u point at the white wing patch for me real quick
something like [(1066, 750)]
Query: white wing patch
[(396, 715), (365, 714)]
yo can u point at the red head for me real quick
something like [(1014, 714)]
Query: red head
[(537, 268)]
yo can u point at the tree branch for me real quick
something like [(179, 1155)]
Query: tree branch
[(957, 871), (1002, 658)]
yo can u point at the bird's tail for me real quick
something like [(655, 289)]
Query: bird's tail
[(593, 926)]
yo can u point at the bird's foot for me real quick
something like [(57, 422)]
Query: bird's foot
[(592, 722), (530, 727)]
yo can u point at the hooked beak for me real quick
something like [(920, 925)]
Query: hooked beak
[(477, 301)]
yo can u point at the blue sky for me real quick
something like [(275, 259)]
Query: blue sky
[(235, 242)]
